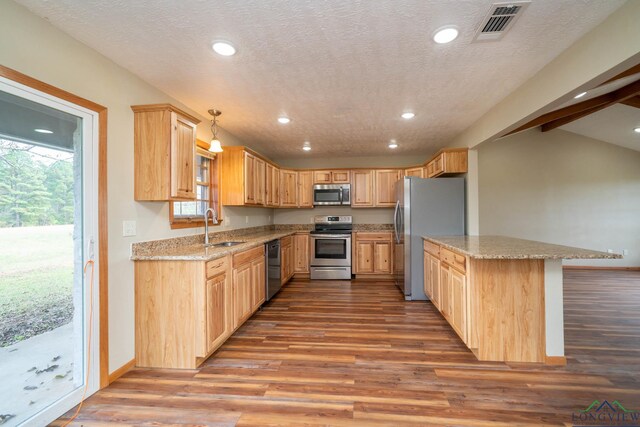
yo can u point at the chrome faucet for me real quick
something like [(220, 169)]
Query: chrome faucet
[(214, 217)]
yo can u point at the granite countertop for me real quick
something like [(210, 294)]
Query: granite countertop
[(501, 247)]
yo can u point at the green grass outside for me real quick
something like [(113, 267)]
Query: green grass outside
[(36, 281)]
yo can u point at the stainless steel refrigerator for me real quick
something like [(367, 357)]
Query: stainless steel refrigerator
[(424, 207)]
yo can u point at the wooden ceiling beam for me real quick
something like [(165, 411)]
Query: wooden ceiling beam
[(629, 72), (632, 102), (627, 92)]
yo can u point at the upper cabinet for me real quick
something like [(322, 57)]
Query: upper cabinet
[(448, 162), (288, 188), (244, 178), (362, 185), (417, 171), (332, 177), (386, 187), (305, 189), (272, 186), (164, 153)]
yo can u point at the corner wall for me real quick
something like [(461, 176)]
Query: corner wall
[(34, 47), (562, 188)]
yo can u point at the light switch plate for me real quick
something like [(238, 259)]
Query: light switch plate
[(128, 228)]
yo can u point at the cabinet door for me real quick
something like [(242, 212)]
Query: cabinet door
[(249, 179), (241, 294), (258, 283), (259, 178), (216, 307), (341, 177), (445, 290), (301, 253), (426, 277), (386, 187), (382, 257), (183, 155), (322, 177), (414, 172), (268, 184), (434, 272), (288, 189), (458, 313), (364, 257), (275, 186), (305, 189), (286, 259), (362, 188)]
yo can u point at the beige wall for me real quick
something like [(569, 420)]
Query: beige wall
[(391, 161), (563, 188), (34, 47)]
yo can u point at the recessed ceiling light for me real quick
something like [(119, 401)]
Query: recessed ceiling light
[(306, 146), (445, 34), (408, 116), (393, 144), (580, 95), (637, 129), (43, 131), (284, 120), (224, 48)]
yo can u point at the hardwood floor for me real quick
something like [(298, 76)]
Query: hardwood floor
[(355, 354)]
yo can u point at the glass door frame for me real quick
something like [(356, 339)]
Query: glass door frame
[(91, 243)]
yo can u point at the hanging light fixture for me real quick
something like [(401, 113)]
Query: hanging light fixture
[(215, 146)]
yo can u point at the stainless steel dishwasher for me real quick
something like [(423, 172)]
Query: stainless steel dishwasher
[(273, 282)]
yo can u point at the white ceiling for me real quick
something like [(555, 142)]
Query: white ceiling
[(342, 70), (614, 124)]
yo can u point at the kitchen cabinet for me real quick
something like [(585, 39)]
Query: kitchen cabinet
[(243, 177), (301, 248), (332, 177), (417, 171), (457, 302), (305, 189), (448, 162), (288, 188), (258, 282), (286, 259), (362, 186), (272, 186), (373, 253), (164, 150), (385, 185), (248, 276)]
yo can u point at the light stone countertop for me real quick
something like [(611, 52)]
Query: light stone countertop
[(501, 247)]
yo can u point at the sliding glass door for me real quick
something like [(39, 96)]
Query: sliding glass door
[(48, 231)]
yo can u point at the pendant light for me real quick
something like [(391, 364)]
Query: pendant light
[(215, 146)]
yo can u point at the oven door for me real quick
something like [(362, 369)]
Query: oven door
[(327, 195), (331, 249)]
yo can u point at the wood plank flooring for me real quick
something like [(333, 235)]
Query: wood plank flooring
[(355, 354)]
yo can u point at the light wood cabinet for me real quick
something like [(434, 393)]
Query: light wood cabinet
[(260, 181), (272, 186), (417, 171), (373, 253), (248, 283), (249, 179), (217, 300), (286, 259), (243, 178), (445, 290), (385, 187), (241, 288), (164, 153), (288, 188), (332, 177), (362, 187), (301, 260), (305, 189), (458, 303), (258, 284), (448, 162)]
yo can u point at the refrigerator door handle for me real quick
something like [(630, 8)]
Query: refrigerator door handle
[(395, 221)]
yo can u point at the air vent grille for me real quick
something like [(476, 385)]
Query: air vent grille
[(499, 20)]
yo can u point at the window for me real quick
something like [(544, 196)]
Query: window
[(190, 213)]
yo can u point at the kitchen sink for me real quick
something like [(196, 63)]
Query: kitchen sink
[(224, 244)]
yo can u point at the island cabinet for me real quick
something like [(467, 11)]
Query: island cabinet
[(243, 180), (286, 259), (185, 310), (301, 250), (164, 149), (332, 177), (372, 254)]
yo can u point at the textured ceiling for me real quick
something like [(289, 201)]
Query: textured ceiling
[(342, 70), (614, 124)]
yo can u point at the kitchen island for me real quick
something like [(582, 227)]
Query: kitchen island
[(502, 296)]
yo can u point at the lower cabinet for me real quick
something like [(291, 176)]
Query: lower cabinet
[(373, 253), (185, 310), (286, 259), (301, 253)]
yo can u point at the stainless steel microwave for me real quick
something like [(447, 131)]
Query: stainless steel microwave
[(332, 195)]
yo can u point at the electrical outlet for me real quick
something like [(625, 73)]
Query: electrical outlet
[(128, 228), (246, 219), (625, 252)]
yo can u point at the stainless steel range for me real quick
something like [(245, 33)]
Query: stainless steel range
[(331, 248)]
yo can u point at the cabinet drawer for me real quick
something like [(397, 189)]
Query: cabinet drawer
[(432, 248), (217, 267), (373, 236), (457, 261), (246, 256)]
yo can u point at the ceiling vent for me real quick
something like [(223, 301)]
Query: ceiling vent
[(499, 20)]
